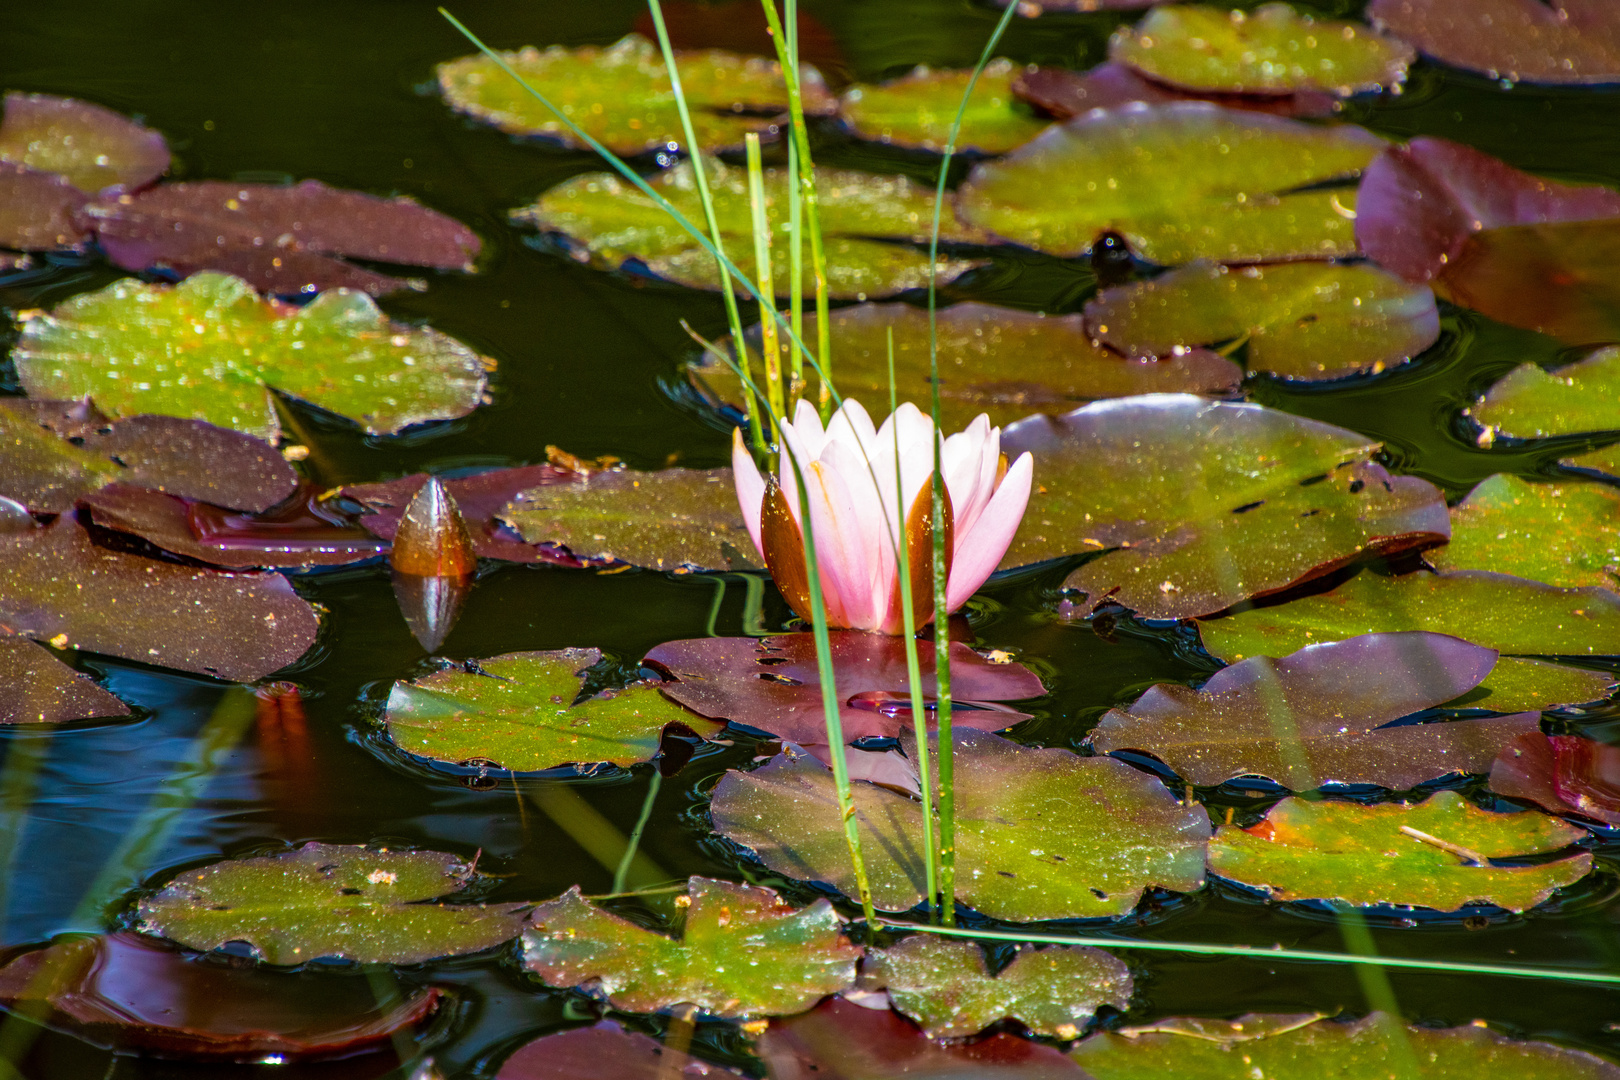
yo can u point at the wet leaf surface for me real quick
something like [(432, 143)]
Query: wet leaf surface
[(946, 987), (1565, 774), (995, 360), (743, 952), (1563, 534), (1041, 834), (1270, 50), (1310, 718), (131, 993), (39, 211), (1196, 505), (1603, 460), (1556, 279), (918, 109), (90, 146), (876, 227), (340, 352), (37, 688), (1300, 320), (1157, 175), (1065, 94), (621, 94), (1560, 41), (772, 683), (1529, 402), (603, 1051), (480, 497), (518, 712), (1373, 855), (333, 900)]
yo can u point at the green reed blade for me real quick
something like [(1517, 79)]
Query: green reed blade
[(767, 279), (628, 859)]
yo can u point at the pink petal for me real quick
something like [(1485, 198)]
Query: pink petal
[(979, 549), (750, 488), (845, 581)]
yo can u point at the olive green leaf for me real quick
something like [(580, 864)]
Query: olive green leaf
[(1565, 534), (918, 110), (1529, 402)]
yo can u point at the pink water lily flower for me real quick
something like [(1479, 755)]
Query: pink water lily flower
[(859, 517)]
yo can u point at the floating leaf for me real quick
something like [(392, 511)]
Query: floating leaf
[(1084, 6), (90, 146), (919, 109), (131, 993), (1605, 459), (37, 688), (1300, 320), (1196, 505), (480, 497), (330, 900), (744, 952), (1309, 718), (1564, 773), (433, 561), (945, 986), (603, 1051), (39, 211), (1559, 41), (773, 683), (1431, 854), (621, 94), (518, 712), (1529, 402), (1554, 279), (1180, 182), (1065, 94), (1001, 361), (1562, 534), (1270, 50), (1040, 834), (210, 349), (874, 226)]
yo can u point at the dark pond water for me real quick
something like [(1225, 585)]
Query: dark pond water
[(336, 90)]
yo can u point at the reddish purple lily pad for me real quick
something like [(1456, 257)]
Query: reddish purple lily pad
[(90, 146), (39, 211), (1544, 41), (1064, 94), (480, 499), (1557, 279), (1562, 773), (603, 1051), (771, 683), (37, 688), (131, 993)]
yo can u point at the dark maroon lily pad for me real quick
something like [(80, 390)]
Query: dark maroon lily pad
[(603, 1051), (771, 683), (131, 993), (1419, 203), (1309, 718), (1557, 279), (1083, 6), (90, 146), (1544, 41), (1064, 94), (1562, 773), (57, 586), (37, 688), (279, 239), (39, 211), (480, 499)]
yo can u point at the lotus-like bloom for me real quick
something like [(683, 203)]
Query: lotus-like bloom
[(860, 511)]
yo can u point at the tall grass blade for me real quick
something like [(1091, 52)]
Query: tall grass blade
[(767, 280)]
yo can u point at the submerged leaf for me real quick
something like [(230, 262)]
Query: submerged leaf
[(1563, 773), (1555, 279), (1564, 534), (603, 1051), (37, 688), (1431, 854), (90, 146), (1556, 41), (39, 211), (1529, 402), (919, 109)]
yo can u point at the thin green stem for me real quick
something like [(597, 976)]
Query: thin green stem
[(795, 261), (629, 857), (766, 278)]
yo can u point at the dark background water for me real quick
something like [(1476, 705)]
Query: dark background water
[(340, 90)]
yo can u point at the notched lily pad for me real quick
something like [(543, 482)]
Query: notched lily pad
[(1556, 279), (918, 109), (39, 211), (88, 145), (1530, 402), (37, 688), (603, 1051), (743, 952), (1566, 774), (1565, 534), (337, 900), (1558, 41), (1436, 854), (518, 712)]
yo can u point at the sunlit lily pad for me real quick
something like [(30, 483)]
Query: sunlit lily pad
[(518, 712), (211, 349), (1529, 402), (603, 1051), (946, 987), (1196, 505), (1565, 534), (330, 900), (1303, 320), (1566, 774), (743, 952), (876, 226), (39, 211), (621, 94), (90, 146), (1041, 834), (1431, 854), (1556, 279), (480, 497), (1564, 41), (1065, 94), (37, 688), (1180, 182), (1605, 459), (1270, 50), (1001, 361), (917, 110)]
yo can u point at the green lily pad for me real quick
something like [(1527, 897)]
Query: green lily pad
[(1180, 182), (517, 712), (1399, 853), (743, 952), (1270, 50), (1604, 459), (995, 360), (1303, 320), (330, 900), (917, 110), (672, 519), (876, 227), (1195, 505), (88, 145), (946, 987), (1040, 834), (1563, 534), (210, 349), (1508, 614), (1529, 403)]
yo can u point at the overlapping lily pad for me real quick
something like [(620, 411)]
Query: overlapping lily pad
[(1304, 320), (743, 952), (1180, 182), (621, 94), (1258, 500), (37, 688), (90, 146), (333, 900), (918, 109), (876, 227), (480, 497), (603, 1051), (1564, 534), (1065, 94), (1560, 41), (1555, 279), (211, 349), (518, 712), (1435, 854), (39, 211), (1529, 402), (1041, 834), (1566, 774), (1270, 50)]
